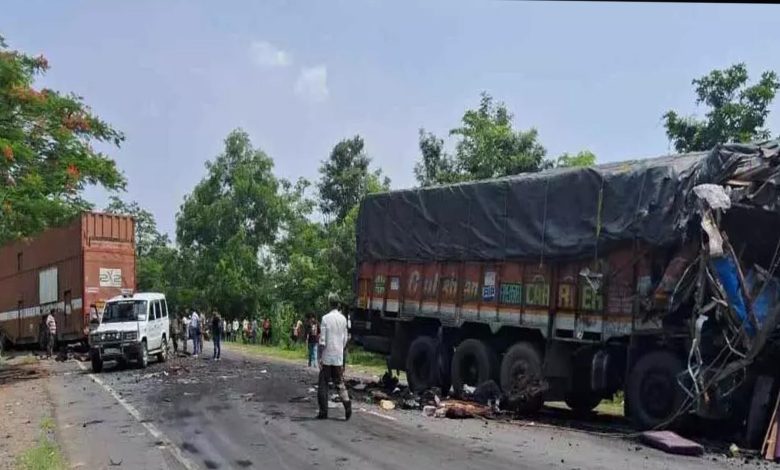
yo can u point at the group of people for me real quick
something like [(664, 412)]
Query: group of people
[(326, 340), (196, 327)]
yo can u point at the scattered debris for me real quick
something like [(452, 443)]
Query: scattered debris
[(359, 387), (387, 405), (671, 443), (458, 409)]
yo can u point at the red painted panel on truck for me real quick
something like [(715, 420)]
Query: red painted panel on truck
[(430, 288), (488, 308), (364, 284), (449, 290), (470, 291), (393, 289), (413, 287), (379, 286), (536, 299), (510, 292)]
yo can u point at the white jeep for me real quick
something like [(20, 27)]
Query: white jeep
[(133, 327)]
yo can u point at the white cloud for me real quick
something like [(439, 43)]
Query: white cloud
[(312, 83), (265, 54)]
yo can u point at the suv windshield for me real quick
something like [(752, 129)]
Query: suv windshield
[(125, 310)]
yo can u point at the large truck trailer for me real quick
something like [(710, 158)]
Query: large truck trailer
[(69, 270), (655, 277)]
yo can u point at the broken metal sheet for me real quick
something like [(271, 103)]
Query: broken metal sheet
[(710, 227), (714, 194)]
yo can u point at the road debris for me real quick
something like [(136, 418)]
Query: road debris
[(387, 405), (671, 443)]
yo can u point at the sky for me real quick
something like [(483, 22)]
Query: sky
[(177, 76)]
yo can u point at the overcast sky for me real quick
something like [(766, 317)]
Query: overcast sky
[(177, 76)]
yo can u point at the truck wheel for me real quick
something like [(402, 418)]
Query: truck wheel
[(143, 359), (97, 364), (473, 363), (421, 364), (162, 356), (653, 396), (521, 377)]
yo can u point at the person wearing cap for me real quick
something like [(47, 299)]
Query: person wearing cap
[(333, 341)]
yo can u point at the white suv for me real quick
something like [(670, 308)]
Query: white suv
[(133, 327)]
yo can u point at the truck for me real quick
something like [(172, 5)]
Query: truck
[(655, 277), (71, 271)]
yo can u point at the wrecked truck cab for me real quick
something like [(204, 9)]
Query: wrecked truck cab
[(133, 328), (656, 277)]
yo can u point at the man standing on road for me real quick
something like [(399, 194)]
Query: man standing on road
[(333, 341), (216, 334), (195, 333), (175, 331), (312, 339), (51, 326)]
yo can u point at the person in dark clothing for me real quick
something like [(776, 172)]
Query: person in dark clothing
[(312, 338), (216, 334)]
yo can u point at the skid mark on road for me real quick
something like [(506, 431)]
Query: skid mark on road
[(150, 427)]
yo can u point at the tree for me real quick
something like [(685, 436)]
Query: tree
[(46, 153), (147, 236), (583, 158), (737, 111), (226, 223), (345, 177), (436, 167), (488, 147)]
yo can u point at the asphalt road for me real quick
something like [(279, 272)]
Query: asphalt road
[(245, 413)]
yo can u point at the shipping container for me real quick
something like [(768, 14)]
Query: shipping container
[(66, 270), (574, 284)]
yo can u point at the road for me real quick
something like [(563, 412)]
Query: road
[(251, 413)]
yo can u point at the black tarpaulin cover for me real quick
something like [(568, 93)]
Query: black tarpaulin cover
[(562, 212)]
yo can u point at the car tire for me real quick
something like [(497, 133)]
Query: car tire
[(653, 396), (143, 356), (473, 363), (522, 363), (162, 356), (421, 364), (97, 364)]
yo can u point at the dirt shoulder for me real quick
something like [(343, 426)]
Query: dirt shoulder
[(25, 406)]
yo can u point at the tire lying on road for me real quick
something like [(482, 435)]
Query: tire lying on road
[(422, 364), (521, 377), (473, 363), (653, 396)]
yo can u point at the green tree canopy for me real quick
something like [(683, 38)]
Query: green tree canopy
[(488, 146), (345, 177), (736, 111), (147, 237), (583, 158), (227, 221), (46, 153)]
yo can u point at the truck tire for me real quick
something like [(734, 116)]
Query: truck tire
[(162, 356), (422, 364), (143, 356), (473, 363), (521, 368), (581, 398), (97, 364), (653, 396)]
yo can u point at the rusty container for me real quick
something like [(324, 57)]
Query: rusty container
[(65, 270)]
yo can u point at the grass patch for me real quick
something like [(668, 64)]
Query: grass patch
[(358, 359), (46, 455)]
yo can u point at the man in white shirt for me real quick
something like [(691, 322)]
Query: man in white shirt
[(333, 341), (195, 333)]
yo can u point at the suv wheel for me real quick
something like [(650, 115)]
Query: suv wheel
[(143, 360), (162, 356), (97, 363)]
